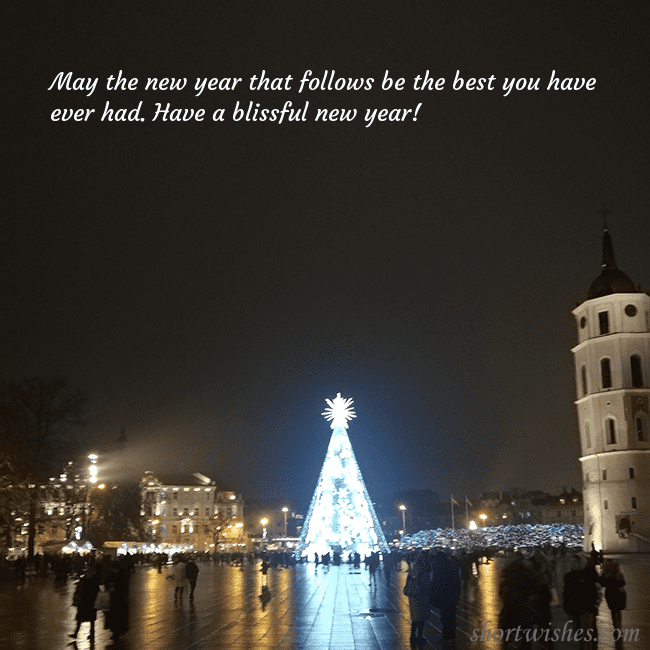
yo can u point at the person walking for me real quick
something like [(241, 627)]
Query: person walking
[(580, 600), (615, 595), (116, 619), (84, 601), (446, 585), (417, 588), (192, 573), (179, 575)]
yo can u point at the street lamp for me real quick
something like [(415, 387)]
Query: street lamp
[(483, 517), (285, 510), (403, 509), (93, 467), (264, 521)]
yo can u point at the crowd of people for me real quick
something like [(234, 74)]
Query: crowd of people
[(506, 538), (104, 585)]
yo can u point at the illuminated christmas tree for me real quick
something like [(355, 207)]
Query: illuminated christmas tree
[(341, 517)]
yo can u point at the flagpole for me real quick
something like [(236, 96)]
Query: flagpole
[(453, 527), (466, 510)]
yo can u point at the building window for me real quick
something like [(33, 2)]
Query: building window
[(207, 512), (631, 472), (633, 503), (163, 529), (196, 511), (640, 435), (559, 514), (174, 529), (587, 477), (587, 436), (603, 321), (605, 504), (611, 431), (175, 497), (606, 373), (573, 513), (583, 377), (186, 511), (637, 373), (604, 475), (175, 512), (164, 512)]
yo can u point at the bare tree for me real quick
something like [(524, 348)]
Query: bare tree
[(36, 418), (217, 528)]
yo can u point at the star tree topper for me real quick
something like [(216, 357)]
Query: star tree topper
[(339, 410)]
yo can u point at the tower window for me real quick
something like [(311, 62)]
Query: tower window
[(611, 432), (606, 373), (637, 373), (583, 377), (640, 434), (587, 435), (605, 504), (630, 310), (603, 321), (633, 503), (604, 475), (631, 472)]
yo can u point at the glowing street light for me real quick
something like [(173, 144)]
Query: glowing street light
[(264, 521), (285, 510), (403, 509), (93, 467), (483, 517)]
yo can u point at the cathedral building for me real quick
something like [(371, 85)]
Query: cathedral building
[(612, 363)]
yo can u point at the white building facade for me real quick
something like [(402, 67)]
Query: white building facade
[(612, 364), (191, 513)]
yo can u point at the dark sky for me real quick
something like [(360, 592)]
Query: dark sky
[(210, 284)]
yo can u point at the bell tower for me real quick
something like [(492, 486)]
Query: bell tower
[(612, 362)]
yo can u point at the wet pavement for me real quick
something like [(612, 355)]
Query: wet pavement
[(309, 607)]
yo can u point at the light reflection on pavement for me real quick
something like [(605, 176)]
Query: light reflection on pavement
[(305, 607)]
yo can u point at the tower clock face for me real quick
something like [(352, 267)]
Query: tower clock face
[(630, 310)]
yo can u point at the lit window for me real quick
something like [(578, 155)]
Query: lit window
[(606, 373)]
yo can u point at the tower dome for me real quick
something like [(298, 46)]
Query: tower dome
[(611, 279)]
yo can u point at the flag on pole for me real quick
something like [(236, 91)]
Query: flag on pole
[(468, 502), (454, 500)]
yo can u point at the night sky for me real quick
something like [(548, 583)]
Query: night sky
[(210, 284)]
